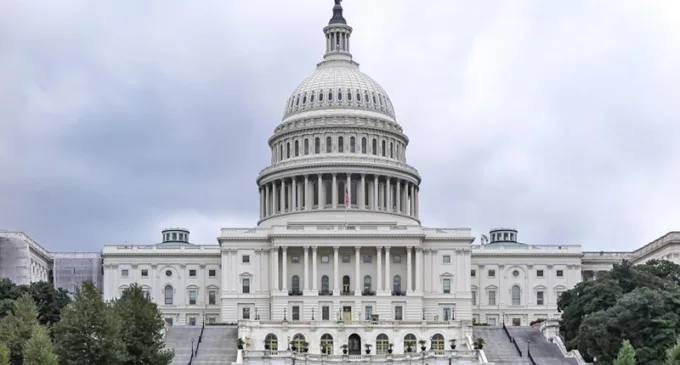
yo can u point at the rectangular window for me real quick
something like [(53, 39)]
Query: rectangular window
[(345, 259), (192, 321), (448, 314), (325, 259), (245, 259), (396, 259), (539, 298), (539, 273), (146, 293), (212, 297), (246, 313), (212, 320), (446, 259), (473, 273), (369, 312), (474, 297), (446, 286), (168, 296), (398, 313), (246, 286), (192, 273), (296, 313), (492, 273), (124, 273), (192, 297), (492, 297), (560, 273), (212, 272), (145, 272), (367, 259), (325, 313), (491, 321)]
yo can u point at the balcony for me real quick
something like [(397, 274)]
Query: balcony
[(294, 293), (346, 292), (326, 293), (366, 292), (398, 293)]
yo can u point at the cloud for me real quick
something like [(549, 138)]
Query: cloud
[(121, 118)]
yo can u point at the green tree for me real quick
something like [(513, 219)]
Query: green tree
[(17, 326), (50, 301), (626, 355), (673, 354), (88, 332), (4, 354), (38, 350)]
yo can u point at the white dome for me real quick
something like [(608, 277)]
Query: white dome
[(339, 86)]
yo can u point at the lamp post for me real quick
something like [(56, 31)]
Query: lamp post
[(288, 348), (284, 315), (192, 347), (257, 317), (312, 314)]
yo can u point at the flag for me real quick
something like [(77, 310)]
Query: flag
[(346, 198)]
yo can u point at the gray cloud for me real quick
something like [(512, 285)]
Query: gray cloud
[(120, 118)]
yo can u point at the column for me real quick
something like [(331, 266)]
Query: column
[(306, 202), (411, 200), (314, 274), (268, 206), (433, 272), (275, 199), (257, 285), (388, 195), (233, 275), (294, 197), (284, 268), (362, 192), (320, 189), (282, 196), (334, 194), (336, 270), (419, 270), (260, 193), (387, 270), (349, 188), (375, 192), (378, 286), (275, 268), (399, 196), (417, 200), (409, 273), (357, 270), (306, 267)]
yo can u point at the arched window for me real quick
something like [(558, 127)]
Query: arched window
[(271, 342), (352, 145), (297, 148), (516, 295), (396, 284), (321, 95), (288, 150), (329, 144), (391, 149), (339, 95), (325, 287), (296, 284), (327, 344), (341, 144), (382, 148), (382, 343), (298, 342), (367, 283), (311, 98), (349, 95), (410, 342), (297, 100), (366, 96), (374, 102), (317, 145), (358, 98), (304, 99), (374, 146), (363, 144), (280, 151), (345, 284), (169, 293), (437, 343), (330, 96), (306, 146)]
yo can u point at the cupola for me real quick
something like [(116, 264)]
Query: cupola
[(503, 235), (175, 235)]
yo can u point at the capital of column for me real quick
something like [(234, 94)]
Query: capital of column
[(284, 248), (379, 247), (319, 175), (233, 250), (314, 248), (306, 247), (335, 248), (357, 248), (202, 266), (275, 248), (409, 247)]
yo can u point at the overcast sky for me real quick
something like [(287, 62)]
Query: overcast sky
[(560, 119)]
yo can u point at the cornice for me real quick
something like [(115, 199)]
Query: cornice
[(377, 123), (476, 254), (336, 129), (161, 254)]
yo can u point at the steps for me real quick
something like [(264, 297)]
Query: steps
[(218, 346), (498, 348), (543, 352), (179, 338)]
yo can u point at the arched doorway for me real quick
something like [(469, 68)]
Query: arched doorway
[(354, 344), (345, 284)]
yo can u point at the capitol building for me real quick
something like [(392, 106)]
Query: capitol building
[(339, 257)]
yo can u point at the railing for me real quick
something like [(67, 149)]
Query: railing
[(531, 358), (399, 293), (294, 293), (512, 339), (200, 337), (367, 292)]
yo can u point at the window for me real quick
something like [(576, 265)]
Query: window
[(396, 259), (398, 313), (245, 259), (124, 273), (329, 145), (517, 321), (473, 273), (382, 148), (345, 284), (212, 320), (391, 150), (396, 284), (492, 297), (446, 259), (515, 273), (192, 297), (369, 312), (296, 312), (321, 95), (410, 342), (516, 295), (437, 343), (317, 145), (446, 286), (325, 287), (491, 321), (192, 321), (295, 259), (271, 342), (345, 259), (374, 146), (330, 96), (192, 273), (474, 297), (363, 145), (560, 273), (145, 272), (367, 283), (288, 150), (341, 144), (558, 294), (327, 340), (306, 146), (296, 284), (169, 292), (358, 96), (146, 293), (325, 259), (492, 273), (246, 286), (245, 313), (382, 343), (212, 297), (539, 298), (212, 273), (297, 148), (539, 273), (325, 313), (352, 144), (367, 259), (311, 98)]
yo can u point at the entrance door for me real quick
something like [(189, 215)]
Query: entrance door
[(347, 313), (354, 344), (516, 321)]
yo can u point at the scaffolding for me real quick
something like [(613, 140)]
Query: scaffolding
[(15, 258), (71, 269)]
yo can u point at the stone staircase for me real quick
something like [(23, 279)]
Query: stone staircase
[(218, 346), (498, 348), (178, 339), (542, 351)]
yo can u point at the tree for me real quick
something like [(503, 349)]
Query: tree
[(142, 324), (4, 354), (626, 355), (673, 354), (50, 301), (88, 332), (16, 327), (38, 350)]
